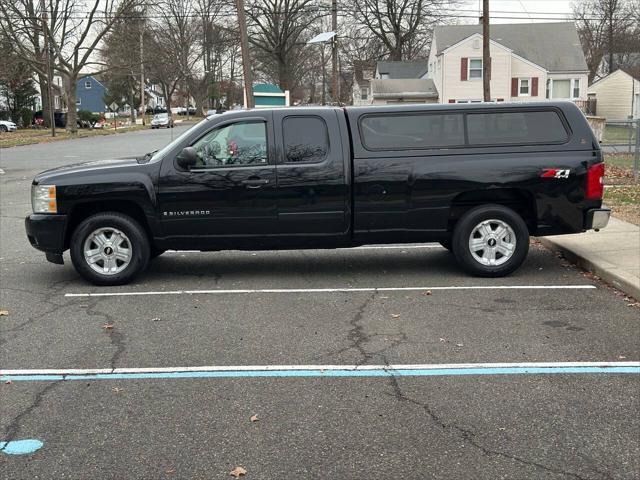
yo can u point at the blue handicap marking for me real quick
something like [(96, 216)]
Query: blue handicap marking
[(20, 447)]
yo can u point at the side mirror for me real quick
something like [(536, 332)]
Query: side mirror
[(187, 158)]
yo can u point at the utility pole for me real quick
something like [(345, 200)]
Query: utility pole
[(246, 60), (335, 94), (486, 58), (45, 35), (143, 107)]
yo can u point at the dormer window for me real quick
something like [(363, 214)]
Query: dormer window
[(87, 84)]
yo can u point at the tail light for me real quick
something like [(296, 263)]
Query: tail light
[(595, 184)]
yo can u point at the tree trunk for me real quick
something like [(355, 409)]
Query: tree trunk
[(44, 95), (132, 110), (72, 122)]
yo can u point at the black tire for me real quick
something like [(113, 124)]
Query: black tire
[(466, 226), (3, 129), (135, 235)]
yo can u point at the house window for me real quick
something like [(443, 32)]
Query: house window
[(87, 84), (364, 93), (524, 88), (563, 88), (475, 68), (78, 101), (576, 88)]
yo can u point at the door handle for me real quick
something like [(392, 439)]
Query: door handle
[(255, 182)]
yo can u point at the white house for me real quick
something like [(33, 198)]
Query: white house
[(529, 62), (617, 96)]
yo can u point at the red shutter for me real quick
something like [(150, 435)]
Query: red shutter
[(452, 100), (464, 64), (534, 87), (514, 87)]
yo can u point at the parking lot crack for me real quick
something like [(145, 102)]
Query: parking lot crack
[(468, 436), (357, 336), (116, 337), (13, 428)]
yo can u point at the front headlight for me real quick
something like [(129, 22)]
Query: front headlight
[(43, 199)]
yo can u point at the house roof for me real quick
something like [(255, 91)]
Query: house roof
[(617, 73), (554, 46), (403, 69), (406, 87), (266, 88)]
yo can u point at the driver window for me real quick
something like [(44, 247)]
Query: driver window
[(238, 144)]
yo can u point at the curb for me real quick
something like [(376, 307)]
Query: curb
[(606, 271)]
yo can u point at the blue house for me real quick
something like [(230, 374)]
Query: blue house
[(267, 95), (90, 95)]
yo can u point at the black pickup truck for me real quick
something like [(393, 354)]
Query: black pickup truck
[(479, 179)]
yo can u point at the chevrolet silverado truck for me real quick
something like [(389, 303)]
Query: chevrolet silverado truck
[(478, 178)]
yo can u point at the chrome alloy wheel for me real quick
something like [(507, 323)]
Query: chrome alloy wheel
[(492, 242), (107, 251)]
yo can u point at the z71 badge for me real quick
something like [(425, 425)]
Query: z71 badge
[(555, 173)]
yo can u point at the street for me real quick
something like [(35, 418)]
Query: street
[(367, 306)]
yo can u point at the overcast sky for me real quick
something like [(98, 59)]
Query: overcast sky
[(528, 10)]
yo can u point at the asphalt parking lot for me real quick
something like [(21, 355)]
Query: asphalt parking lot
[(165, 384)]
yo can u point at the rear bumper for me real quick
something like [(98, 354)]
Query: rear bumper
[(46, 232), (597, 218)]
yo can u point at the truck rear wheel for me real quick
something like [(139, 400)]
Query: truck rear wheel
[(109, 249), (490, 241)]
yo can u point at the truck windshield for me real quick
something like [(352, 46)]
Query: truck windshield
[(161, 153)]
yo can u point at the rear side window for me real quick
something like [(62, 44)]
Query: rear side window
[(406, 132), (505, 128), (306, 139)]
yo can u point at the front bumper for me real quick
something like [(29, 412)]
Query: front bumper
[(46, 232), (597, 218)]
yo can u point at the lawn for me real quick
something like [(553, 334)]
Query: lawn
[(622, 192), (31, 136), (618, 134)]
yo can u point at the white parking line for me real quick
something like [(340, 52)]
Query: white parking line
[(332, 290)]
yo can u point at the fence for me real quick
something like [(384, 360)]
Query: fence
[(588, 107), (623, 137)]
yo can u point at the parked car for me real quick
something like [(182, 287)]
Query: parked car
[(162, 120), (59, 118), (154, 110), (7, 126), (478, 178)]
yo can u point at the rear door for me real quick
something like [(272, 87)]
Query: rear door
[(313, 172)]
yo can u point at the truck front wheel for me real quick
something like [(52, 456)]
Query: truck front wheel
[(109, 249), (490, 241)]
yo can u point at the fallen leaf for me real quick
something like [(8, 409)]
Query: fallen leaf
[(459, 344), (254, 418), (238, 472), (156, 319), (622, 357), (4, 313), (8, 382), (428, 292), (443, 339), (116, 389), (170, 471), (384, 297), (108, 326), (502, 428), (395, 315)]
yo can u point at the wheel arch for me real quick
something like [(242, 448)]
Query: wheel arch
[(126, 207), (520, 200)]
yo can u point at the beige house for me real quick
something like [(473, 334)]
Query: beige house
[(529, 62), (617, 96)]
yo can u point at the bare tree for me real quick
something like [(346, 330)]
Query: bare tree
[(279, 31), (605, 28), (172, 54), (403, 27), (74, 29)]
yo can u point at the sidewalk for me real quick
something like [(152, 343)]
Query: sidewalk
[(613, 253)]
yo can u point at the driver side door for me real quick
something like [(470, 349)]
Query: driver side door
[(229, 196)]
